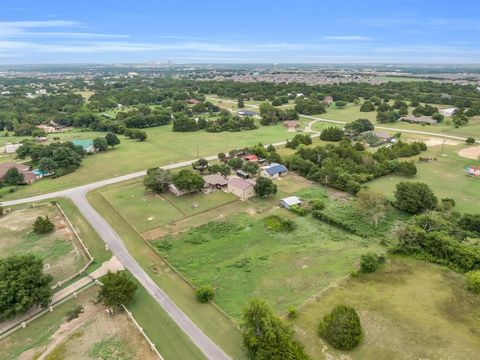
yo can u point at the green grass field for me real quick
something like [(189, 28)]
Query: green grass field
[(408, 310), (244, 260), (445, 176), (162, 147)]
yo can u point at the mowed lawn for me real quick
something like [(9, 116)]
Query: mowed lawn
[(408, 310), (162, 147), (244, 260), (60, 250), (445, 176), (146, 211)]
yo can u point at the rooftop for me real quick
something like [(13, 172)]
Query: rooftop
[(240, 183)]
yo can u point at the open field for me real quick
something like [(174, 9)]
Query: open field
[(213, 322), (408, 310), (162, 147), (445, 176), (60, 250)]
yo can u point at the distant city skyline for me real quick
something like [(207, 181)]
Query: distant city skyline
[(54, 31)]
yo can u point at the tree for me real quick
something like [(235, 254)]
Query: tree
[(156, 180), (266, 336), (371, 262), (332, 134), (47, 165), (100, 144), (221, 156), (367, 106), (372, 204), (235, 163), (359, 126), (43, 225), (473, 281), (265, 187), (117, 289), (186, 180), (414, 197), (23, 285), (205, 293), (13, 177), (250, 167), (240, 103), (406, 168), (341, 328), (223, 169), (112, 139), (200, 165), (470, 141), (341, 104)]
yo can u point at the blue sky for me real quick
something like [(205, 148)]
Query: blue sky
[(121, 31)]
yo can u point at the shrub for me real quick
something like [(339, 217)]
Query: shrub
[(205, 293), (316, 204), (298, 210), (332, 134), (43, 225), (74, 313), (371, 262), (341, 328), (470, 141), (292, 312), (473, 281), (279, 224)]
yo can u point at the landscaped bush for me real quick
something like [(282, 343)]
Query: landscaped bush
[(341, 328), (205, 293), (473, 281), (43, 225), (279, 224), (292, 312), (74, 313), (371, 262)]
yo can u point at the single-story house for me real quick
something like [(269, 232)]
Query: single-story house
[(291, 125), (11, 148), (247, 113), (473, 170), (28, 176), (251, 157), (327, 100), (244, 189), (427, 120), (175, 191), (290, 201), (192, 101), (214, 182), (86, 144), (273, 171), (447, 112), (242, 174)]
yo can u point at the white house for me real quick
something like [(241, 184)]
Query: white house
[(447, 112), (290, 201), (11, 148)]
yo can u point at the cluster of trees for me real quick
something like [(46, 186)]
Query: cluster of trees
[(309, 106), (143, 116), (332, 133), (299, 139), (358, 126), (343, 166), (188, 181), (137, 134), (102, 143), (56, 158), (271, 115), (224, 122)]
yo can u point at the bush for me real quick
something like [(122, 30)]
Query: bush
[(43, 225), (298, 210), (292, 312), (205, 293), (332, 134), (341, 328), (371, 262), (74, 313), (279, 224), (470, 141), (473, 281)]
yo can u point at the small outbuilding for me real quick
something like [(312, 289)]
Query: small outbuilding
[(244, 189), (290, 201), (422, 120), (247, 113), (273, 171)]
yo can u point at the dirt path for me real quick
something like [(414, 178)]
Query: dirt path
[(472, 152)]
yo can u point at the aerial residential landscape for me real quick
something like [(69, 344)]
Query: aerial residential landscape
[(239, 181)]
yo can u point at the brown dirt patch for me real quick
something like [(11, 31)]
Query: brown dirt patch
[(472, 152)]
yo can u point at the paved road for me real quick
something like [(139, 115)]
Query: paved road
[(203, 342)]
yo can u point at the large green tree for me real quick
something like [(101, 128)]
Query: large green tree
[(188, 181), (266, 336), (414, 197), (22, 285), (156, 180), (112, 139), (264, 187), (341, 328), (117, 289), (13, 177)]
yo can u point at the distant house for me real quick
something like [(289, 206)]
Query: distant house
[(47, 128), (244, 189), (290, 201), (247, 113), (175, 191), (87, 145), (327, 100), (11, 148), (447, 112), (29, 176), (214, 182), (291, 125), (427, 120), (251, 158), (192, 101), (376, 138), (473, 170), (273, 171)]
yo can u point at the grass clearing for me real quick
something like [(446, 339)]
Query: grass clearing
[(60, 250), (408, 310)]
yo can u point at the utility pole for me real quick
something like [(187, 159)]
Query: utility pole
[(443, 146)]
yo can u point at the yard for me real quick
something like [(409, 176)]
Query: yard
[(408, 310), (60, 250)]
